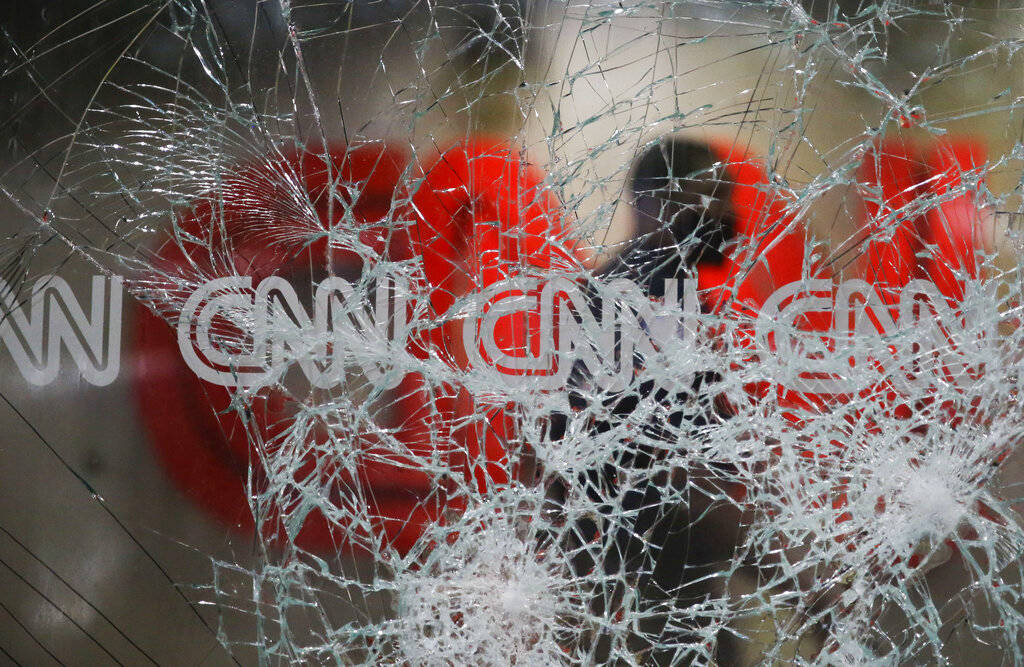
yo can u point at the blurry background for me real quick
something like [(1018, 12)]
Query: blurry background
[(582, 86)]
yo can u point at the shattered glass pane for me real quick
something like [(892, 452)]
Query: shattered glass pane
[(465, 332)]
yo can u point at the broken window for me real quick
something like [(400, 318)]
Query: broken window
[(511, 332)]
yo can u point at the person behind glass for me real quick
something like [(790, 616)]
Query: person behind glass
[(683, 220)]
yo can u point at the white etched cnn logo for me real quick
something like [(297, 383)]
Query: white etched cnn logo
[(34, 332)]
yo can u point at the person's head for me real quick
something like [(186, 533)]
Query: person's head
[(680, 198)]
